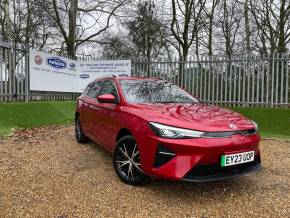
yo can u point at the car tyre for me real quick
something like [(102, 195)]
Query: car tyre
[(126, 161), (79, 135)]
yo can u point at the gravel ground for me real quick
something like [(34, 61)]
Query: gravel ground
[(45, 173)]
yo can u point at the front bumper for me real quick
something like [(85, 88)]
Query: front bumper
[(197, 159)]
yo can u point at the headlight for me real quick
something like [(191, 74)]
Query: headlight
[(256, 125), (174, 132)]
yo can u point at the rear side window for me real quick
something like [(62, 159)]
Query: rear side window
[(95, 89), (88, 89)]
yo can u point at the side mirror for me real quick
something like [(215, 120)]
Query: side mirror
[(106, 98)]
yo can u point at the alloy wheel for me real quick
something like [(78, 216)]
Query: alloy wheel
[(127, 162)]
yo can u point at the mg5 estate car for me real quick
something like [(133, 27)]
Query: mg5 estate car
[(153, 128)]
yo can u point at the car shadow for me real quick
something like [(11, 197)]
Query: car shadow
[(184, 190), (99, 149)]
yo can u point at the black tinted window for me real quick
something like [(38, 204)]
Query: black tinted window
[(95, 90), (154, 91)]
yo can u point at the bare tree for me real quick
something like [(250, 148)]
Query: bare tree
[(22, 21), (75, 30), (230, 21), (146, 31), (247, 26), (117, 46), (185, 24), (6, 22), (210, 24), (273, 21)]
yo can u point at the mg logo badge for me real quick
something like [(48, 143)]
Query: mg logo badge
[(233, 126), (38, 59)]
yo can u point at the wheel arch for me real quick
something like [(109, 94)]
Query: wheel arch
[(123, 132)]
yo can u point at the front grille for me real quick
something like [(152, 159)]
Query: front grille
[(215, 171), (229, 133)]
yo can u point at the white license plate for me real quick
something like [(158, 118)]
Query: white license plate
[(238, 158)]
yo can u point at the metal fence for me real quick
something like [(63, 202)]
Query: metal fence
[(241, 81), (13, 68)]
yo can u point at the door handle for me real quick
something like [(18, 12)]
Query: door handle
[(93, 107)]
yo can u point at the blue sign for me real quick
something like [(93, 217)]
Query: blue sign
[(84, 76), (56, 63), (123, 75)]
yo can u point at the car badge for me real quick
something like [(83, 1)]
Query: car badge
[(233, 126)]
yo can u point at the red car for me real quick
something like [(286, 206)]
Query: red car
[(156, 129)]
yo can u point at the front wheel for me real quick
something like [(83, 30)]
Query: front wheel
[(126, 161)]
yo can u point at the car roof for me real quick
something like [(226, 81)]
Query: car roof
[(127, 78)]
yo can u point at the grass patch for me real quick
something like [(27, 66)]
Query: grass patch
[(35, 114), (272, 122)]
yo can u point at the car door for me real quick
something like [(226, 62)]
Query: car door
[(91, 111), (84, 106), (105, 121)]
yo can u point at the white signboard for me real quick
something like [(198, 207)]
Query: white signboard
[(91, 70), (52, 73)]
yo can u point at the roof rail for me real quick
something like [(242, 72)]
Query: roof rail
[(158, 78)]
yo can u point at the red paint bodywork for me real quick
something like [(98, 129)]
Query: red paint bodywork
[(102, 122)]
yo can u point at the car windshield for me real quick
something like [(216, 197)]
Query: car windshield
[(154, 91)]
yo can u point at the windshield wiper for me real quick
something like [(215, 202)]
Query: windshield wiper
[(164, 102)]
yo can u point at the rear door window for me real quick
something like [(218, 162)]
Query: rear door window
[(95, 90), (88, 89)]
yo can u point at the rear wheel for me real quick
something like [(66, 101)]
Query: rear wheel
[(127, 164), (79, 135)]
